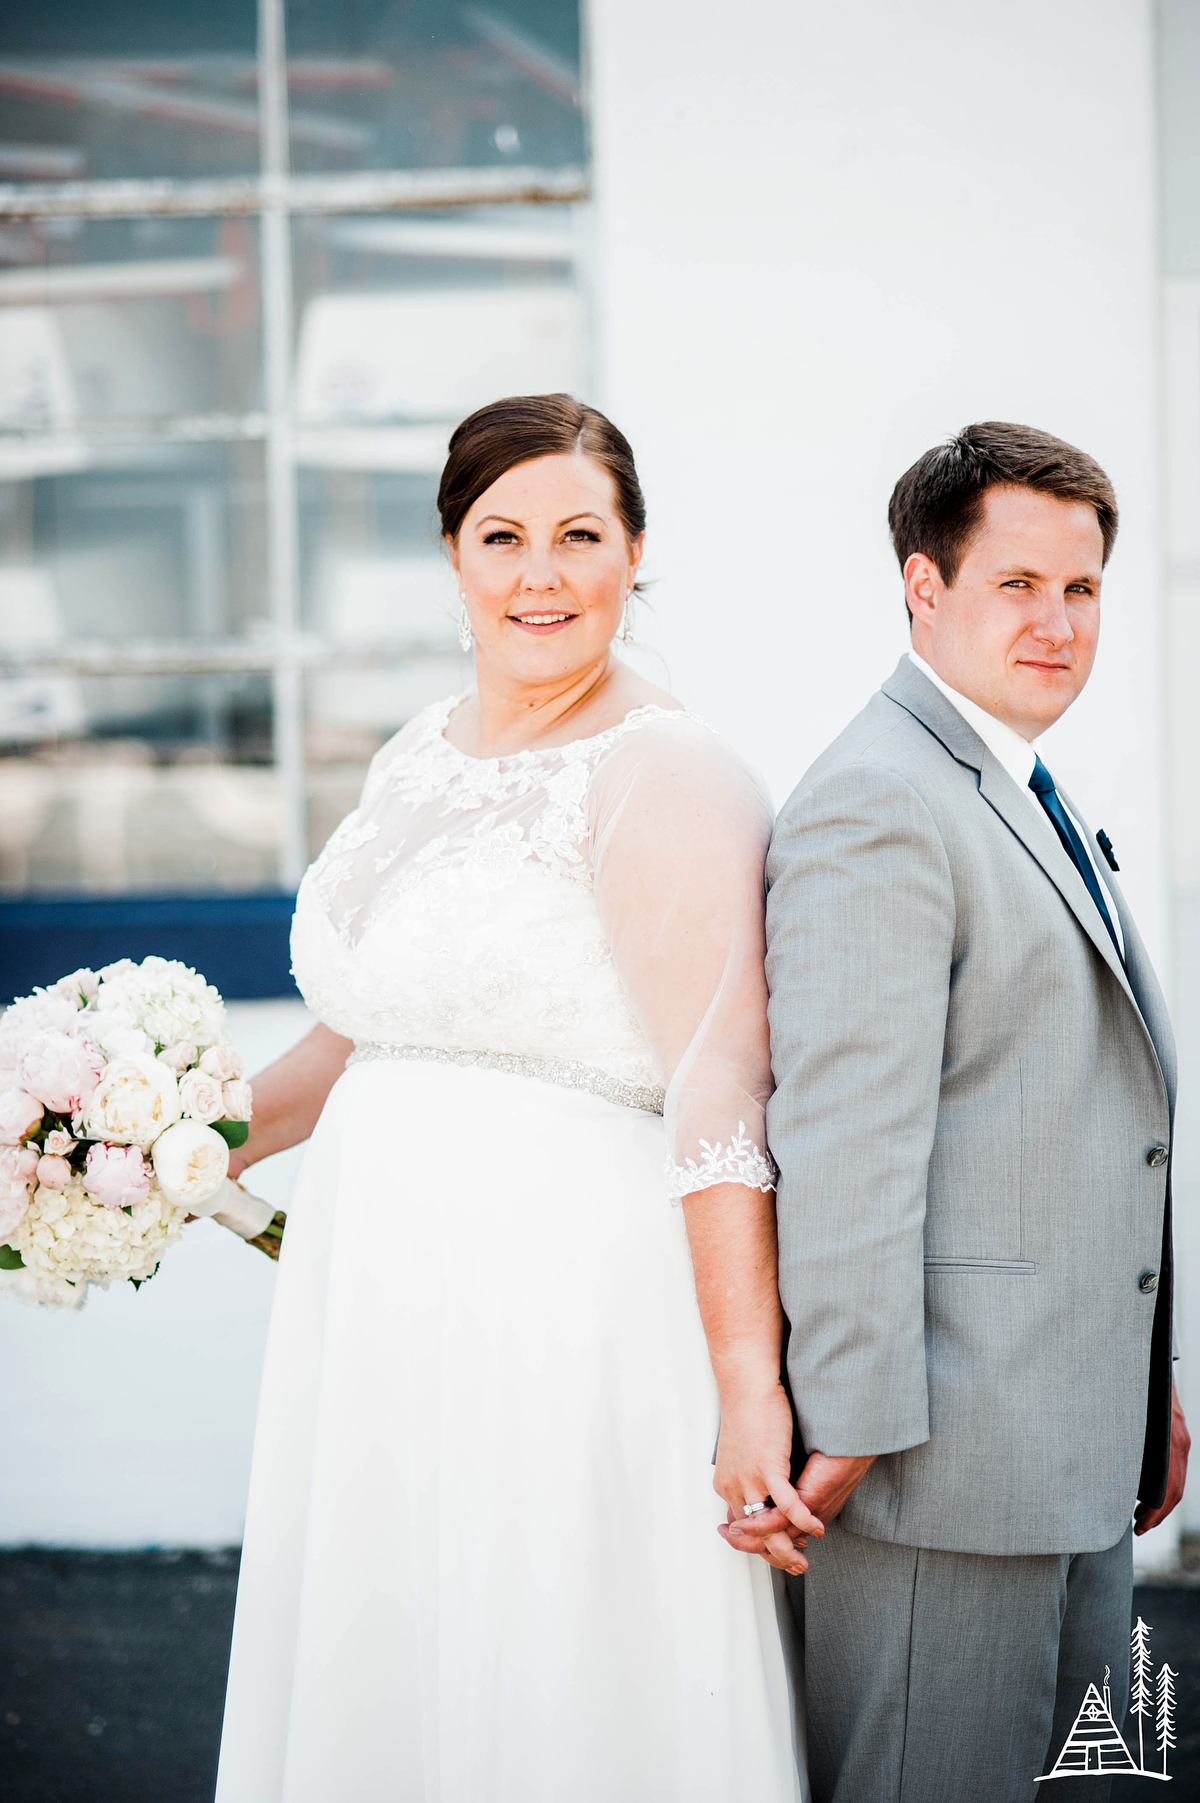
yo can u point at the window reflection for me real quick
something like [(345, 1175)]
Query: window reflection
[(115, 320), (437, 87), (182, 704), (143, 784), (145, 542), (125, 90), (120, 88), (353, 711)]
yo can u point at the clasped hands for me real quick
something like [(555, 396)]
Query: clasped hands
[(754, 1463)]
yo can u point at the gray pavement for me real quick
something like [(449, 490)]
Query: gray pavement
[(112, 1676)]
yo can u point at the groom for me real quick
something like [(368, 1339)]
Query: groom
[(973, 1129)]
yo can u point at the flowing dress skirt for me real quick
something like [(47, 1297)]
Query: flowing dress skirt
[(481, 1562)]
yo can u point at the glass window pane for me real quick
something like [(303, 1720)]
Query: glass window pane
[(137, 784), (133, 542), (404, 326), (432, 86), (112, 320), (408, 324), (372, 563), (354, 710), (119, 88)]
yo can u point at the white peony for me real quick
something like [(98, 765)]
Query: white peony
[(134, 1101), (79, 988), (191, 1162)]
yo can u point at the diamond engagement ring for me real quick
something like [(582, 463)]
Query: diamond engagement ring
[(753, 1508)]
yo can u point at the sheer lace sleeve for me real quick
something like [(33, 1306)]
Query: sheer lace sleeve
[(679, 831)]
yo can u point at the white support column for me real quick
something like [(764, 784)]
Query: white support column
[(282, 514), (1181, 390)]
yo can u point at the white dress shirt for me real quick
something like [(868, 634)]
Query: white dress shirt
[(1017, 756)]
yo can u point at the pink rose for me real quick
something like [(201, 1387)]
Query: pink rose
[(61, 1071), (19, 1115), (201, 1097), (59, 1144), (18, 1167), (116, 1175), (223, 1063), (52, 1172), (180, 1056), (239, 1101)]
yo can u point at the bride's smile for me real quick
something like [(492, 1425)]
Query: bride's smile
[(546, 562)]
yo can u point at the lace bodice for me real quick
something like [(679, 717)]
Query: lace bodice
[(592, 906)]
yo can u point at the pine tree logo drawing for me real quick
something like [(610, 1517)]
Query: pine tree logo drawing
[(1096, 1745)]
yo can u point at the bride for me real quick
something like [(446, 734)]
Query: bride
[(482, 1558)]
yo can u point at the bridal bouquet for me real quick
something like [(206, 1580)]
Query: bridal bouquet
[(120, 1098)]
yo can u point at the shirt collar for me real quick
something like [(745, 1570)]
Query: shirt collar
[(1011, 751)]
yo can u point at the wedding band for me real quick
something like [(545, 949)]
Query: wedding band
[(753, 1508)]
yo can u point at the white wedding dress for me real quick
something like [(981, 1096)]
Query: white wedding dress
[(481, 1562)]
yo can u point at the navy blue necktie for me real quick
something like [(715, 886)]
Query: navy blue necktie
[(1042, 784)]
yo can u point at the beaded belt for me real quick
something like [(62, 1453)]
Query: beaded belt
[(565, 1072)]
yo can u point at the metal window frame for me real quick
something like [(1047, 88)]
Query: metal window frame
[(275, 196)]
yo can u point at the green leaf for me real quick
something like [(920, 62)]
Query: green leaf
[(10, 1259), (234, 1133)]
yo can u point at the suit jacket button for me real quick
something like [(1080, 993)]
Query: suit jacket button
[(1156, 1157), (1148, 1282)]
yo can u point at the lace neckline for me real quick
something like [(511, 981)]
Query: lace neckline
[(439, 719)]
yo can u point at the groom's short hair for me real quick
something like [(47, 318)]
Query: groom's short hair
[(937, 505)]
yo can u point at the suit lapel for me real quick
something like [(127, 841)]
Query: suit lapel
[(1143, 980), (918, 696), (1039, 838)]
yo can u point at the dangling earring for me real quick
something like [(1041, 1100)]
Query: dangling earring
[(627, 620), (464, 623)]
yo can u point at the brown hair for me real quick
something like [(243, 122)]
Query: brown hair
[(505, 433), (937, 505)]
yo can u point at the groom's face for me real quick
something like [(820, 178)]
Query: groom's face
[(1017, 631)]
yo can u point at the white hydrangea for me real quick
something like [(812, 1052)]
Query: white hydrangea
[(35, 1290), (68, 1241), (160, 998)]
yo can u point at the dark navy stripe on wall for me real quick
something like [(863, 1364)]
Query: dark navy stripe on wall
[(239, 942)]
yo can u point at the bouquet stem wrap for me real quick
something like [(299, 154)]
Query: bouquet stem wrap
[(240, 1211)]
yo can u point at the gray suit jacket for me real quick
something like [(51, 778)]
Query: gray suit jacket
[(969, 1091)]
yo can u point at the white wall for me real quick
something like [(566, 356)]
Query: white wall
[(827, 237), (131, 1423)]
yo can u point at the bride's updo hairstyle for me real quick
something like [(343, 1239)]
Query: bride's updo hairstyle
[(505, 433)]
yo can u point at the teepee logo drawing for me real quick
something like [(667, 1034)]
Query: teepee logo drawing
[(1096, 1746)]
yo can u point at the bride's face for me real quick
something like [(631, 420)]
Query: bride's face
[(545, 566)]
